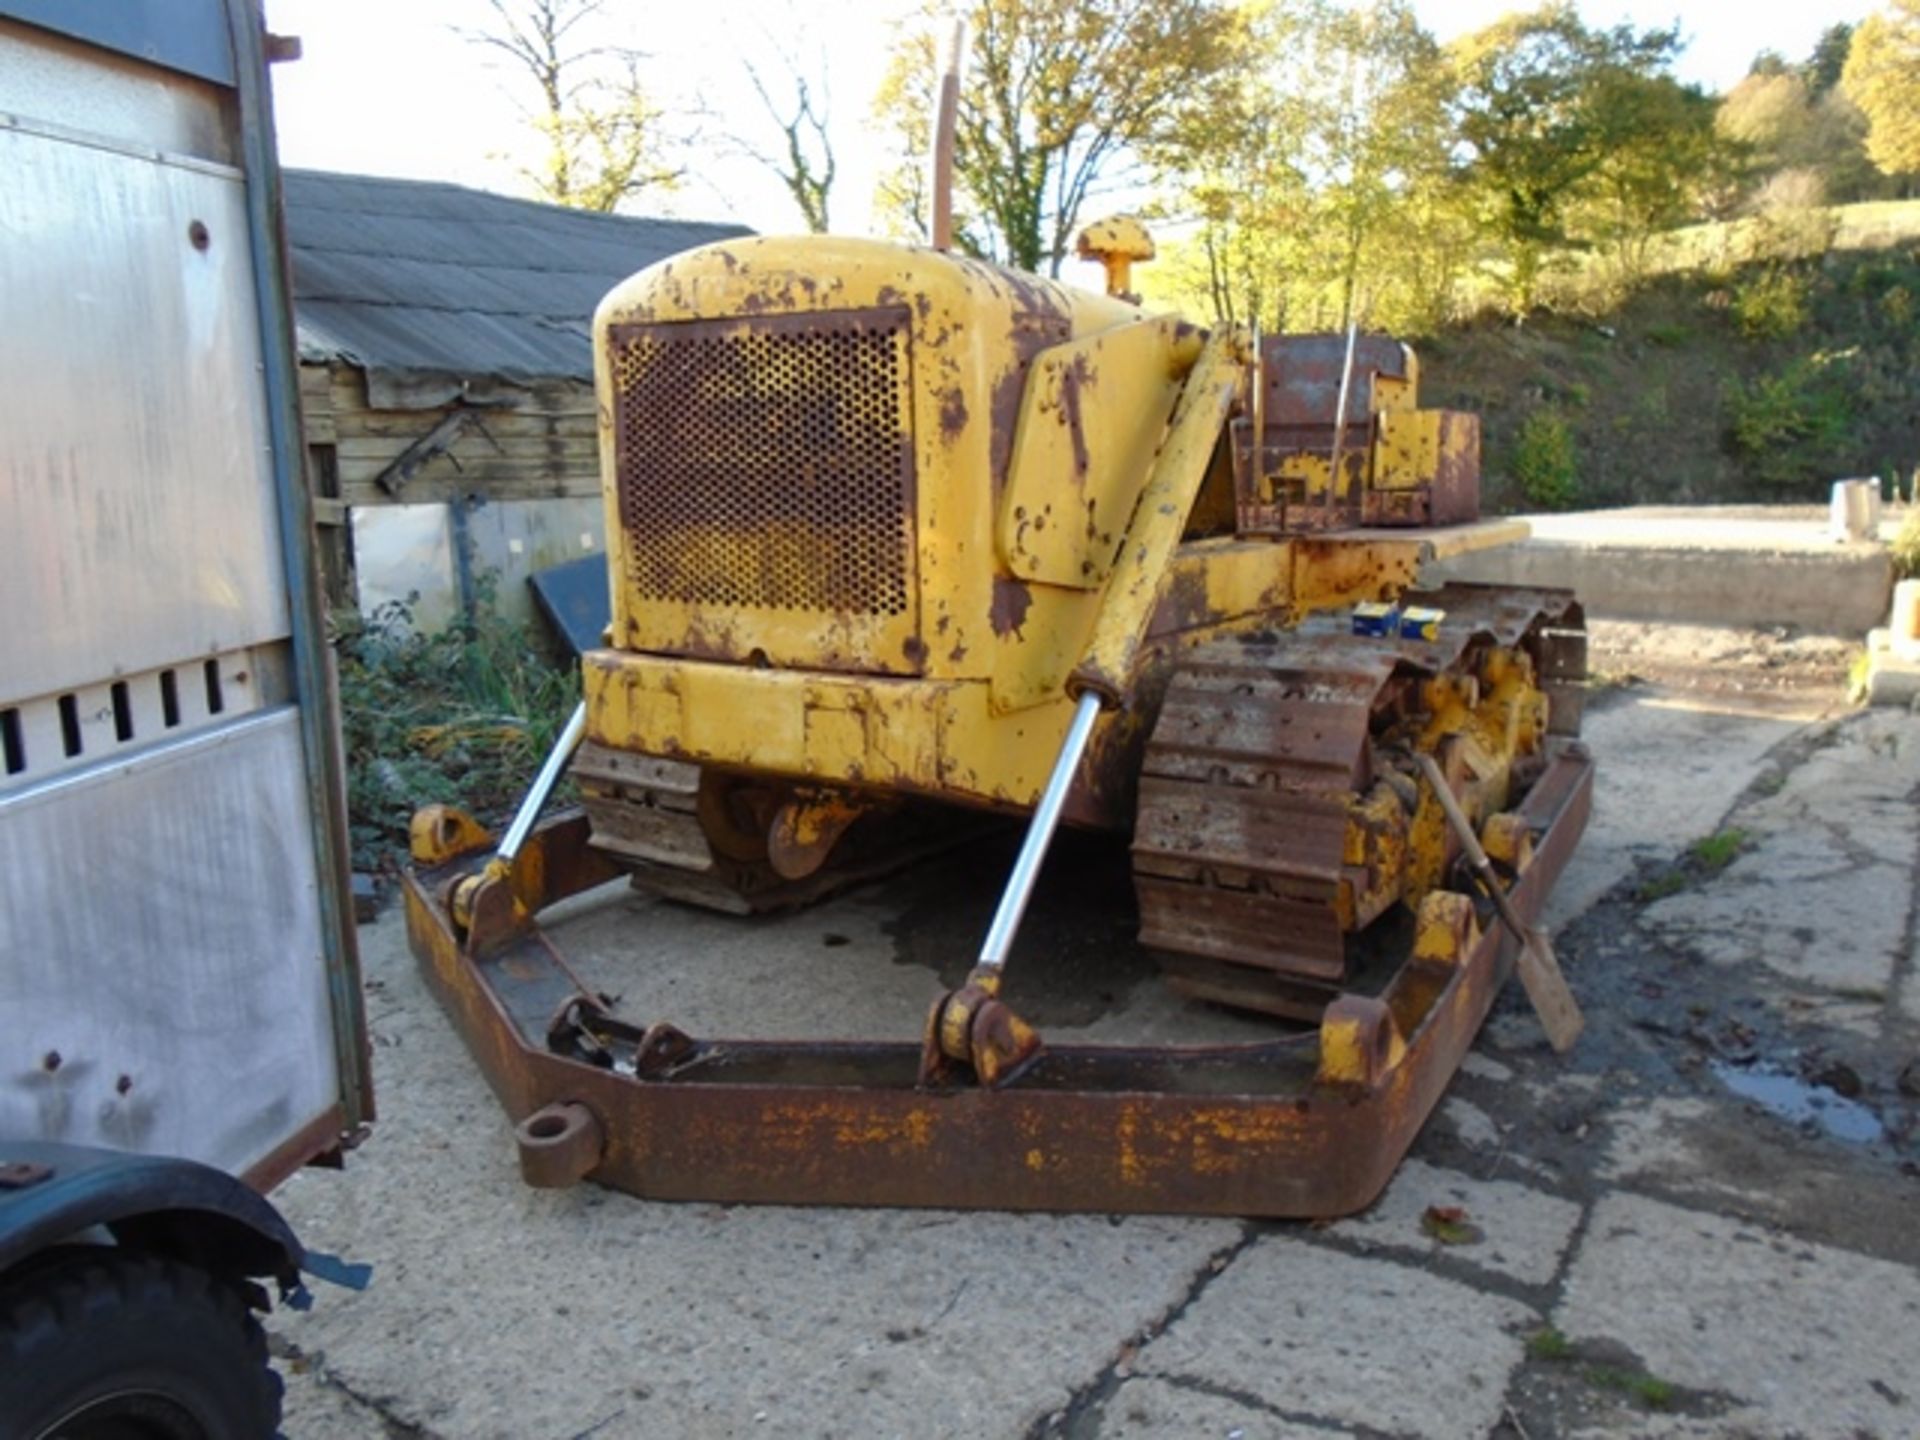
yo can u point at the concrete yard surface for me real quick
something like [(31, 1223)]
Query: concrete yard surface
[(1701, 1223)]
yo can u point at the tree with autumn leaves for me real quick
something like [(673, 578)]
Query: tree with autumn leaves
[(1325, 160), (1882, 77), (1059, 105), (1306, 162)]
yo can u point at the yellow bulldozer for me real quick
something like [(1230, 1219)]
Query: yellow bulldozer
[(894, 533)]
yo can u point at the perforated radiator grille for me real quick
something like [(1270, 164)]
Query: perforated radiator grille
[(767, 462)]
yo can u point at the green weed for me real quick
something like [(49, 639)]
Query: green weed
[(1670, 882), (1772, 305), (1713, 853), (1548, 1343), (1795, 424), (1544, 462), (459, 717), (1651, 1391)]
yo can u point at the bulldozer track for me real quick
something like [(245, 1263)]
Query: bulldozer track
[(1262, 747), (666, 823)]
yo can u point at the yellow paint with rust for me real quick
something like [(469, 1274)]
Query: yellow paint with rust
[(1333, 574), (1407, 449), (1058, 441), (1445, 928), (1139, 577), (935, 738), (1375, 858), (437, 833), (1486, 721), (1508, 840), (973, 330), (1084, 447), (1352, 1054)]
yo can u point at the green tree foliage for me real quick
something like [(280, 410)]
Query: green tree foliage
[(1661, 162), (1882, 77), (600, 133), (1544, 105), (1823, 68), (1059, 96)]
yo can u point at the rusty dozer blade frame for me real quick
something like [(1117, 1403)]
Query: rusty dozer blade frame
[(978, 1114)]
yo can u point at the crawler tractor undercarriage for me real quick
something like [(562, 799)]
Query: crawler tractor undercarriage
[(899, 542), (1283, 825), (1288, 859)]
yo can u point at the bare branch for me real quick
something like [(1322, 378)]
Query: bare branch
[(599, 130)]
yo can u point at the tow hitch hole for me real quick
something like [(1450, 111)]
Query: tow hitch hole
[(122, 712), (559, 1145), (216, 702), (12, 742), (169, 699)]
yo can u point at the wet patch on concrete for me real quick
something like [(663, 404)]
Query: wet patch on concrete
[(1078, 956), (1801, 1103)]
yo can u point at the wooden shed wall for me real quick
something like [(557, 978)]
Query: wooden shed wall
[(546, 447)]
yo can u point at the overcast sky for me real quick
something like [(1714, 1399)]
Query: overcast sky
[(389, 87)]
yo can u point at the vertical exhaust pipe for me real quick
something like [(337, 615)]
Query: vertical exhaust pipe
[(943, 128)]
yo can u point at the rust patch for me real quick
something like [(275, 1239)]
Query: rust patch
[(953, 413), (1011, 600), (1183, 604), (1042, 323), (915, 649), (1078, 374)]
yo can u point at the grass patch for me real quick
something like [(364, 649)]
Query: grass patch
[(1650, 1391), (461, 717), (1705, 858), (1548, 1343), (1713, 853), (1661, 886)]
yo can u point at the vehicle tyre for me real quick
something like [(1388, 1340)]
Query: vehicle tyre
[(115, 1345)]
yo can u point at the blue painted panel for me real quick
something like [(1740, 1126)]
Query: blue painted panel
[(186, 35)]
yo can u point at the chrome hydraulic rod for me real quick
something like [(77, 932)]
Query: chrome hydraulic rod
[(543, 784), (1033, 850), (1340, 419)]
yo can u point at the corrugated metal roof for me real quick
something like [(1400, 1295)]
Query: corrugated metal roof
[(432, 286)]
